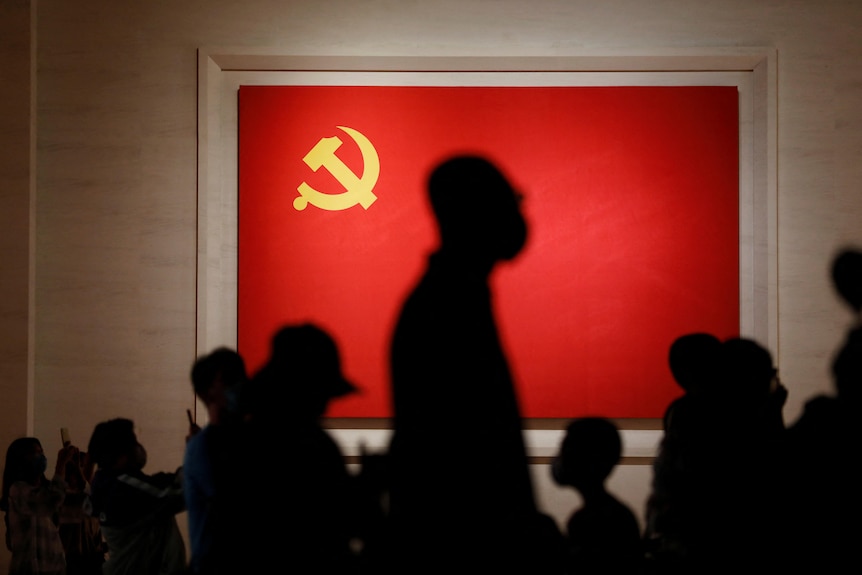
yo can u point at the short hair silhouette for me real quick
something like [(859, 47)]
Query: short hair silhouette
[(221, 362), (693, 358), (590, 450), (748, 368), (847, 277), (111, 440), (475, 206)]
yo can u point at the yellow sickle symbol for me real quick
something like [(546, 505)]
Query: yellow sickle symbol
[(358, 189)]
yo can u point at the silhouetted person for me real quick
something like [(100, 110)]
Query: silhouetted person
[(30, 502), (209, 467), (137, 511), (603, 535), (718, 475), (79, 531), (306, 514), (693, 361), (461, 494), (823, 454)]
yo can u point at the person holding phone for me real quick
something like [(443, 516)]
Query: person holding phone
[(136, 511), (79, 531), (30, 502), (209, 465)]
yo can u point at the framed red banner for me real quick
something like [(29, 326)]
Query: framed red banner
[(632, 194)]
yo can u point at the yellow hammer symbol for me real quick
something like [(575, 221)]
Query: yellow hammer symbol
[(358, 190)]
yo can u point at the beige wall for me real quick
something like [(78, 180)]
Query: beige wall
[(17, 152), (16, 161), (115, 174)]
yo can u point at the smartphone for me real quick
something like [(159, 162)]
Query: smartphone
[(189, 415), (65, 438)]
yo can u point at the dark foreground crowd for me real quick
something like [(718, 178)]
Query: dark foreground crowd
[(267, 489)]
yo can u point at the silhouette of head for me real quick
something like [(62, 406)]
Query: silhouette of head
[(747, 368), (25, 461), (217, 378), (590, 450), (303, 372), (847, 277), (477, 210), (115, 446), (693, 360), (221, 364)]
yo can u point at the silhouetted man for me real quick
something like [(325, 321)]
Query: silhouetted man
[(211, 457), (461, 495), (136, 511), (823, 468), (309, 510)]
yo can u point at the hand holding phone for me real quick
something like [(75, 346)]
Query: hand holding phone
[(194, 429), (65, 438)]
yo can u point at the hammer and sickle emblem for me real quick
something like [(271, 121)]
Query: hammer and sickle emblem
[(358, 190)]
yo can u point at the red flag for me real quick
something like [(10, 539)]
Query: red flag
[(631, 194)]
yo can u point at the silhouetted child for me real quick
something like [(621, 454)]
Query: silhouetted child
[(603, 536), (693, 361), (31, 502)]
